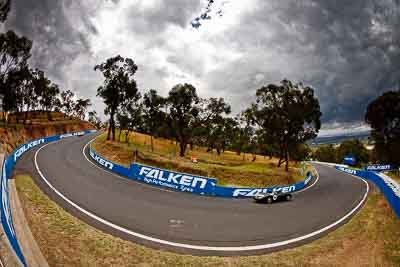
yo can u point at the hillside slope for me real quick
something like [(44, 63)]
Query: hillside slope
[(37, 126)]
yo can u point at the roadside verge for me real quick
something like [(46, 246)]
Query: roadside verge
[(29, 247)]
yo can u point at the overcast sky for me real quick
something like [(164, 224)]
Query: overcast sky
[(347, 50)]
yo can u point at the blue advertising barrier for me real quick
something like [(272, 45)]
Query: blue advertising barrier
[(381, 167), (7, 168), (118, 169), (234, 192), (187, 182), (389, 187), (178, 181), (349, 160)]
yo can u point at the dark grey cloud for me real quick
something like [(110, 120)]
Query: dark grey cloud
[(57, 41), (349, 51), (155, 20)]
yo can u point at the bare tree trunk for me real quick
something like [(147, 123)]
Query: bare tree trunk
[(119, 137), (280, 162), (287, 160), (26, 114), (127, 137), (113, 131), (48, 115), (280, 158), (152, 143), (282, 155), (182, 149), (112, 124), (109, 130)]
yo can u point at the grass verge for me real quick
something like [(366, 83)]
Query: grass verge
[(371, 238), (395, 175), (229, 168)]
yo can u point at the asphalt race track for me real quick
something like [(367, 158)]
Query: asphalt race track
[(186, 223)]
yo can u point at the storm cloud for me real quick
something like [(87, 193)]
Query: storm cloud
[(347, 50)]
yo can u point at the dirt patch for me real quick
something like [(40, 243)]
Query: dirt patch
[(12, 137)]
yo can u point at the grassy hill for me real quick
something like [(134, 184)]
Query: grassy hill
[(229, 168)]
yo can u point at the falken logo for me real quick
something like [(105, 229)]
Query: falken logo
[(170, 177), (249, 192), (71, 135), (26, 147), (379, 167), (101, 161), (349, 171)]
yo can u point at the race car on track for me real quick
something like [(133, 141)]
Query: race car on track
[(272, 197)]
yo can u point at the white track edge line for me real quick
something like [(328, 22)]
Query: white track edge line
[(196, 247)]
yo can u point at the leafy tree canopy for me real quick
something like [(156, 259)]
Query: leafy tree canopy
[(119, 86), (287, 114), (355, 148), (383, 114), (182, 101)]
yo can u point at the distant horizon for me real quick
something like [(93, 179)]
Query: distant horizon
[(349, 129)]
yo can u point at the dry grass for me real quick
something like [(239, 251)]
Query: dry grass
[(395, 175), (229, 168), (371, 238)]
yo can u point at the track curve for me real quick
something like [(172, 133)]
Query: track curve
[(64, 173)]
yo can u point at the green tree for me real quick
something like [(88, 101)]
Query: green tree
[(81, 107), (229, 126), (183, 110), (94, 119), (242, 132), (119, 86), (153, 114), (41, 84), (13, 95), (355, 148), (130, 118), (300, 152), (14, 54), (21, 91), (123, 121), (287, 114), (326, 153), (67, 102), (383, 114), (214, 122), (29, 96), (48, 98), (57, 106)]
